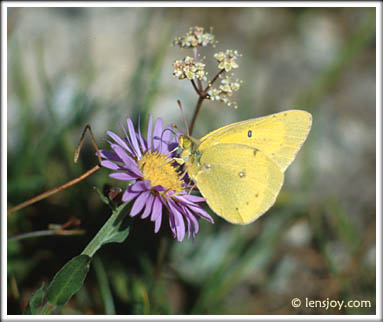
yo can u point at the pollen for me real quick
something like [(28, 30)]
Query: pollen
[(158, 169)]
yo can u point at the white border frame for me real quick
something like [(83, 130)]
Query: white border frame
[(5, 5)]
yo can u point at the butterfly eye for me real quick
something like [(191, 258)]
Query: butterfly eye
[(185, 142)]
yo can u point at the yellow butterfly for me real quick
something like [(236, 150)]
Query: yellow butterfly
[(239, 168)]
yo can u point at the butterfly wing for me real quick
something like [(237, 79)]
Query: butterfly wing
[(239, 182), (279, 136)]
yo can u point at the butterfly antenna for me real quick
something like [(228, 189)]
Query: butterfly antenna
[(183, 115), (168, 129), (162, 135)]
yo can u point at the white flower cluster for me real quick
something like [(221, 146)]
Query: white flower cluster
[(225, 91), (194, 38), (189, 69), (227, 60)]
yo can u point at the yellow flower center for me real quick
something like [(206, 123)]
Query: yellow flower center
[(158, 170)]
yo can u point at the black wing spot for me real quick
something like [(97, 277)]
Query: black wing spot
[(249, 133), (255, 152), (256, 195), (247, 203)]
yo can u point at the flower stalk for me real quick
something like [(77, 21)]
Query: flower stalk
[(202, 96)]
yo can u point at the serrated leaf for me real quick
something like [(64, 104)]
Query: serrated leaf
[(35, 301), (68, 280)]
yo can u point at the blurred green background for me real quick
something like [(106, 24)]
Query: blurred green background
[(72, 66)]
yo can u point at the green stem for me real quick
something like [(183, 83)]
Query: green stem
[(97, 241)]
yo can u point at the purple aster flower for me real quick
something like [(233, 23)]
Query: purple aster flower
[(155, 182)]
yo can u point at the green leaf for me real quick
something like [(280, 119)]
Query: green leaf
[(119, 233), (115, 230), (35, 301), (68, 280)]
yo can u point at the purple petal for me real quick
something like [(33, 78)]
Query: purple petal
[(167, 135), (140, 138), (195, 198), (126, 140), (133, 137), (110, 165), (172, 224), (142, 143), (139, 203), (157, 134), (173, 209), (110, 155), (148, 206), (157, 209), (189, 226), (165, 141), (129, 195), (150, 129), (157, 223), (202, 213), (159, 188), (141, 186), (158, 127), (127, 160), (181, 230), (193, 219), (118, 140), (122, 176), (170, 193), (179, 221), (190, 199)]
